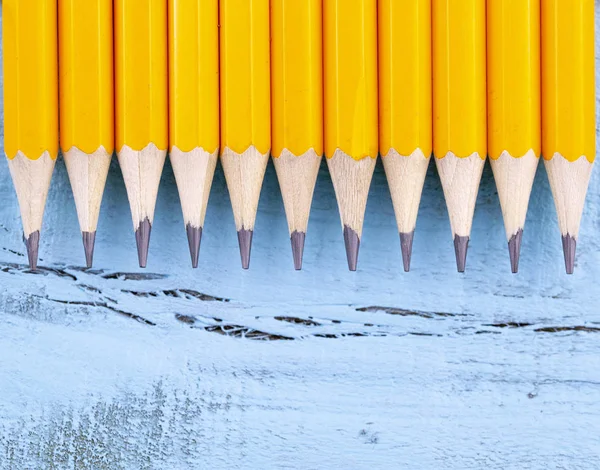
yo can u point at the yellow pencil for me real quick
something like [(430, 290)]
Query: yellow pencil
[(141, 73), (568, 110), (351, 132), (514, 109), (30, 107), (459, 110), (245, 109), (297, 108), (86, 105), (405, 138), (194, 108)]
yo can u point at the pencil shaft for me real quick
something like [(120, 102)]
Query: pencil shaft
[(513, 78), (296, 76), (405, 76), (86, 75), (459, 90), (568, 79), (141, 74), (194, 75), (245, 75), (30, 78)]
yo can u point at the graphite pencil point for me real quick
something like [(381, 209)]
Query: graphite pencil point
[(142, 239), (569, 246), (352, 242), (297, 239), (514, 250), (406, 244), (194, 235), (89, 239), (461, 244), (33, 243), (245, 242)]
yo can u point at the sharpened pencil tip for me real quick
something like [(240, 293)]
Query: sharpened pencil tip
[(352, 242), (89, 239), (245, 242), (297, 239), (194, 236), (461, 245), (514, 250), (406, 244), (33, 244), (569, 246), (142, 238)]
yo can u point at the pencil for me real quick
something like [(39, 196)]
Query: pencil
[(459, 110), (297, 109), (350, 105), (141, 73), (30, 107), (514, 109), (86, 105), (194, 108), (245, 109), (568, 111), (405, 138)]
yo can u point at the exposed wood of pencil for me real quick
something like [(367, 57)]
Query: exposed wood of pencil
[(87, 174), (141, 172), (31, 179), (194, 172), (514, 177), (297, 177), (460, 180), (351, 182), (569, 183), (406, 176), (244, 174)]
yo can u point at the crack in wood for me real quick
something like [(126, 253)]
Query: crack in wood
[(408, 313)]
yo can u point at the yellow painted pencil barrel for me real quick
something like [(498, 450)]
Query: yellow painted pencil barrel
[(86, 105), (141, 109), (194, 108), (297, 108), (351, 109), (30, 107), (568, 110), (405, 107), (514, 109), (297, 76), (30, 78), (86, 75)]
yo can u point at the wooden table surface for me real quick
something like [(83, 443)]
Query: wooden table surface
[(170, 367)]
